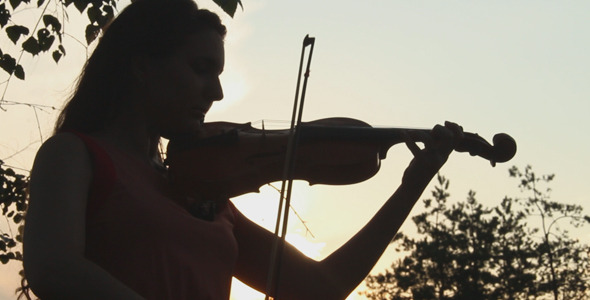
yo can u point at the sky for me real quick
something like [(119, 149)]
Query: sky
[(518, 67)]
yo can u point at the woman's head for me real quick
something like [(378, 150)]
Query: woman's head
[(146, 29)]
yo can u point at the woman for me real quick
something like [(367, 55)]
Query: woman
[(103, 222)]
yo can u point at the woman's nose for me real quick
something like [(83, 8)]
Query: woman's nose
[(215, 90)]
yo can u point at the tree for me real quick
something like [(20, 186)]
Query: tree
[(468, 251), (561, 258)]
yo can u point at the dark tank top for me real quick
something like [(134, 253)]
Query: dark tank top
[(147, 239)]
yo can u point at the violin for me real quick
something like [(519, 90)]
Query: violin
[(227, 160)]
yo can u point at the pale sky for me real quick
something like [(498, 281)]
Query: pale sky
[(519, 67)]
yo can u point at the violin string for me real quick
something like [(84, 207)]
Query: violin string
[(273, 124)]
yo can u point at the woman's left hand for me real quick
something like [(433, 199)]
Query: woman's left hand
[(438, 145)]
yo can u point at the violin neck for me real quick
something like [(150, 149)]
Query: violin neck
[(384, 137)]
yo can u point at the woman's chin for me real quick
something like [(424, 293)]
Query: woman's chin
[(194, 127)]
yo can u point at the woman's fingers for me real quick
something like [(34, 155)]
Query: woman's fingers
[(456, 130), (441, 138), (411, 144), (438, 144)]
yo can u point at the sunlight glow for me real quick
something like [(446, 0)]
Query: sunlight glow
[(235, 89)]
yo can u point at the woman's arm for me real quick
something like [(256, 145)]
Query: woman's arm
[(336, 276), (54, 237)]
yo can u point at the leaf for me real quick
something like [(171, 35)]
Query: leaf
[(15, 31), (31, 45), (94, 14), (15, 3), (56, 55), (110, 13), (52, 21), (7, 63), (91, 33), (40, 2), (45, 39), (45, 44), (4, 15), (19, 72), (43, 34), (229, 6), (81, 5), (17, 218)]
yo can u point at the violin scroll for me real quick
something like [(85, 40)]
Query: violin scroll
[(503, 150), (505, 147)]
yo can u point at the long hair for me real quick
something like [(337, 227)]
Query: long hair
[(146, 27)]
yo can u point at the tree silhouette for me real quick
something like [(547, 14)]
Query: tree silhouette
[(561, 258), (468, 251)]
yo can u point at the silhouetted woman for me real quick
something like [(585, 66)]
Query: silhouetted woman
[(103, 222)]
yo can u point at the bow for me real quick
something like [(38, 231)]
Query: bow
[(287, 182)]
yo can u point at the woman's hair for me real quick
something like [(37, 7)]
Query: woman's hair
[(146, 27)]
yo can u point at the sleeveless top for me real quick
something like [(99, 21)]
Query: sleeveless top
[(138, 233)]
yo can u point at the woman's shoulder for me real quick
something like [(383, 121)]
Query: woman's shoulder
[(64, 141), (63, 151)]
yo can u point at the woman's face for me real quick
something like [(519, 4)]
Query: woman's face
[(180, 88)]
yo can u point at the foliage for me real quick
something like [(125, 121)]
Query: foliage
[(48, 28), (229, 6), (563, 258), (13, 204), (516, 250), (13, 196), (46, 35)]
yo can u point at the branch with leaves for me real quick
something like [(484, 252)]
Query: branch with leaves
[(47, 34), (13, 205)]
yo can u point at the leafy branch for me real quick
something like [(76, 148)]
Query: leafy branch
[(48, 28), (13, 205)]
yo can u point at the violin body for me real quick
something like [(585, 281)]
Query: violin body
[(239, 159), (227, 160)]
